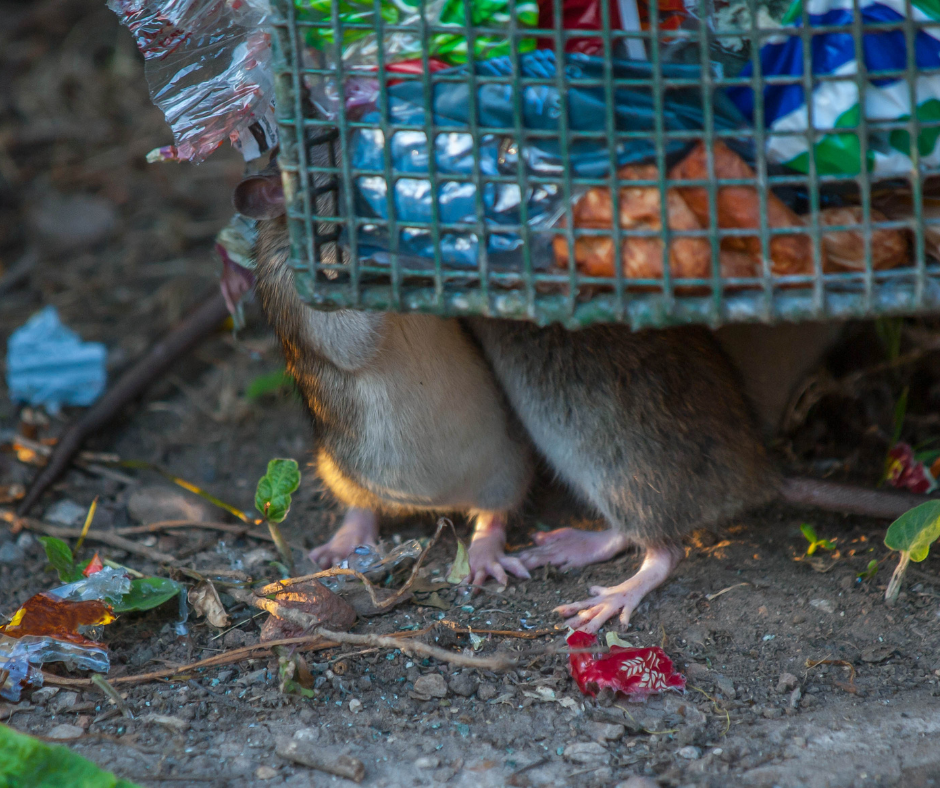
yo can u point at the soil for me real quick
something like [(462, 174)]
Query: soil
[(799, 674)]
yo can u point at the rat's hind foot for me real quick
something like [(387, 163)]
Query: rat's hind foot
[(590, 615), (486, 555), (360, 526), (570, 548)]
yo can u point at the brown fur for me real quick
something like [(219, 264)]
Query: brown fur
[(648, 427), (408, 416)]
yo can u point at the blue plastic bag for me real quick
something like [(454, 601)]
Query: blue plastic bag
[(500, 154), (48, 364)]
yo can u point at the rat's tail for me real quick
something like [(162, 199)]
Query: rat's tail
[(848, 498)]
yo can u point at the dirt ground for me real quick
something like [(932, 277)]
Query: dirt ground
[(123, 248)]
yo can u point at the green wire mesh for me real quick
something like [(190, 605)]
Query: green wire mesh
[(327, 220)]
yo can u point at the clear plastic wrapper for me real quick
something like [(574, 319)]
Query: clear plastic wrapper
[(208, 67), (107, 584), (20, 659), (369, 560), (836, 102), (634, 111)]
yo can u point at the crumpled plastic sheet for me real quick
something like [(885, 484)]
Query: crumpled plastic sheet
[(499, 154), (49, 365), (20, 659), (836, 103), (107, 584), (208, 68)]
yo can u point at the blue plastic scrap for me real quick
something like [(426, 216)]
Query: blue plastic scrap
[(499, 153), (48, 364)]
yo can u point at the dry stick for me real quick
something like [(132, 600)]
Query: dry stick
[(104, 537), (191, 331), (170, 525), (280, 585), (409, 646)]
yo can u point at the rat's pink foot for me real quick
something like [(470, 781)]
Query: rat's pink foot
[(486, 555), (360, 526), (571, 547), (590, 615)]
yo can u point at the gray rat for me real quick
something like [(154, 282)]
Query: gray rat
[(651, 429), (408, 416)]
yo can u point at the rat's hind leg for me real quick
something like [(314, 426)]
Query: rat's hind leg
[(591, 614), (486, 554), (360, 526), (570, 548)]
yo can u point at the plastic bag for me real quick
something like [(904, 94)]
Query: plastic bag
[(48, 364), (106, 584), (836, 103), (637, 672), (499, 155), (20, 658), (208, 67)]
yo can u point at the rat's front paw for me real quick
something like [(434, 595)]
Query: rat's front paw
[(589, 615), (360, 526), (488, 559)]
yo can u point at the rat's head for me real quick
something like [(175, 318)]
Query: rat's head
[(261, 196)]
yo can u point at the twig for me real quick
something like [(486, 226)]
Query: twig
[(105, 537), (506, 633), (170, 525), (196, 327)]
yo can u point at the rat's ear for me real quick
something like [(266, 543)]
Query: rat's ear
[(260, 197)]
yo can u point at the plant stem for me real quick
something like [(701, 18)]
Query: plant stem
[(282, 547), (894, 586)]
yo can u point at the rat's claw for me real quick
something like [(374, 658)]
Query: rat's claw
[(591, 614), (570, 548), (360, 526), (486, 555)]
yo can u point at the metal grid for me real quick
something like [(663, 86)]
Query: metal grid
[(325, 218)]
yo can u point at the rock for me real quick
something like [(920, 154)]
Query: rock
[(772, 712), (156, 503), (486, 691), (637, 782), (690, 753), (464, 684), (64, 701), (11, 553), (236, 638), (42, 696), (70, 221), (690, 714), (795, 697), (697, 671), (823, 604), (265, 773), (65, 732), (355, 705), (256, 557), (307, 734), (65, 512), (586, 752), (431, 685), (427, 762), (604, 731), (725, 687), (786, 682), (364, 683)]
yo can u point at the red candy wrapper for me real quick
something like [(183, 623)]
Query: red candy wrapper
[(94, 565), (904, 471), (637, 672)]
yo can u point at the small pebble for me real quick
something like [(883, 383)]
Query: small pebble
[(431, 685), (65, 732), (823, 604), (690, 753), (586, 752), (355, 705), (604, 731), (65, 512), (637, 782), (427, 762), (265, 773), (786, 682), (486, 691), (464, 684)]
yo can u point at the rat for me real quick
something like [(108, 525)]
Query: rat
[(651, 429), (407, 415)]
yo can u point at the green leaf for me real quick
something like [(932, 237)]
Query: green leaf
[(25, 761), (461, 568), (147, 593), (870, 571), (809, 532), (272, 498), (914, 531), (61, 558), (814, 541), (271, 383)]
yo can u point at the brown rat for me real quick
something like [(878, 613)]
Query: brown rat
[(651, 429), (408, 417)]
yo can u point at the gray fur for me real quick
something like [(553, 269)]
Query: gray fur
[(407, 414), (649, 427)]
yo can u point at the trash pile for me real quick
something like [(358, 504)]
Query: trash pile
[(212, 85)]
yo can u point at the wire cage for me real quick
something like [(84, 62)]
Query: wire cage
[(583, 161)]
